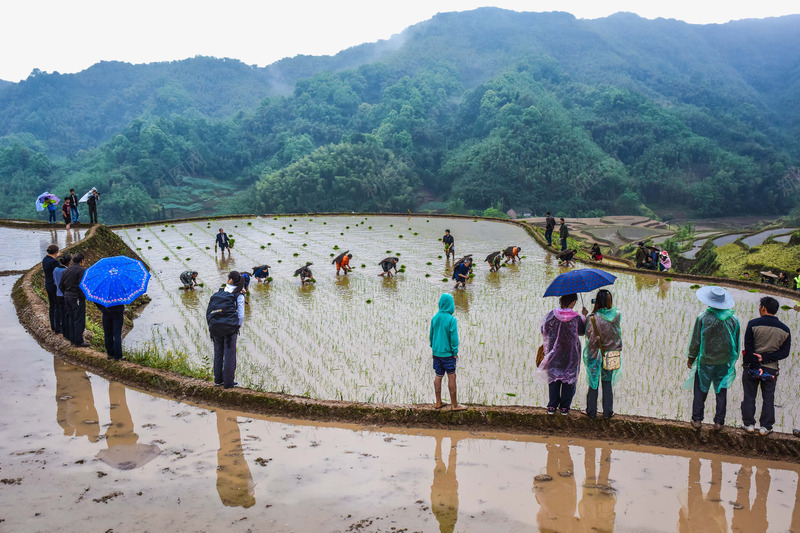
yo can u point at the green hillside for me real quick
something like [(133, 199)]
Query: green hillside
[(466, 111)]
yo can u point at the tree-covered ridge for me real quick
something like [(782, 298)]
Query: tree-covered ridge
[(471, 111)]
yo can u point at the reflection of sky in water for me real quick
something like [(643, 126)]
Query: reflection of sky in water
[(21, 248), (325, 340)]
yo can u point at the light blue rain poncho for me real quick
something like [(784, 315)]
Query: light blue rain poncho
[(608, 322), (714, 347)]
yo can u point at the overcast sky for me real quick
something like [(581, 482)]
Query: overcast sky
[(71, 35)]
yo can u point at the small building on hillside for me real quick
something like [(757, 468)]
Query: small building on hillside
[(519, 212)]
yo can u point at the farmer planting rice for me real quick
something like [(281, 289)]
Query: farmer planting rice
[(342, 262), (461, 270), (261, 273), (512, 253), (189, 279), (566, 258), (443, 337), (387, 265), (494, 260), (305, 274), (449, 245), (225, 316), (712, 353)]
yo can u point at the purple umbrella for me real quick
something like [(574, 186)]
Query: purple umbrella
[(45, 196)]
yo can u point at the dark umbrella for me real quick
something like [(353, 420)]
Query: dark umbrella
[(115, 280), (491, 256), (302, 268), (581, 280)]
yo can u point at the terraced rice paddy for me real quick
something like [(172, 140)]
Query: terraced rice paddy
[(19, 245), (364, 338)]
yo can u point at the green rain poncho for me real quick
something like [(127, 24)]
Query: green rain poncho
[(608, 322), (715, 349)]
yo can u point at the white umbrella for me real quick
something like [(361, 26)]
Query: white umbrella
[(85, 197)]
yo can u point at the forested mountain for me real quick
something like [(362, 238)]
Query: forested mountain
[(466, 111)]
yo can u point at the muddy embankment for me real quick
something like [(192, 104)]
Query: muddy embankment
[(32, 311)]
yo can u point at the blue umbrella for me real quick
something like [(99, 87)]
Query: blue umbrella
[(115, 281), (581, 280)]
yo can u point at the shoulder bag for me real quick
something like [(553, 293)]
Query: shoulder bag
[(611, 358)]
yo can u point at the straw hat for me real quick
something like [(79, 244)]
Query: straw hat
[(715, 297)]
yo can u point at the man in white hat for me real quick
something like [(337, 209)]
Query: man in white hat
[(712, 354)]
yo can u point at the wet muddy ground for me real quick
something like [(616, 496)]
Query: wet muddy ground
[(80, 453)]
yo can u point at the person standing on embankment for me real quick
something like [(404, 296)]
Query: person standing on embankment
[(443, 338), (74, 301), (767, 341), (549, 226), (225, 316), (563, 233), (712, 353), (50, 263)]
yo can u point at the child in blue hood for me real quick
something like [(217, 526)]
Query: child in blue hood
[(443, 338)]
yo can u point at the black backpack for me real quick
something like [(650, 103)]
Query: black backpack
[(222, 314)]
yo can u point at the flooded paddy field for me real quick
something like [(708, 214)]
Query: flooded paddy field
[(23, 248), (364, 338), (80, 453)]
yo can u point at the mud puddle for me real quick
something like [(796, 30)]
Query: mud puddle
[(80, 453)]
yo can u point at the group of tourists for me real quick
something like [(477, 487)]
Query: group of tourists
[(550, 226), (714, 349), (651, 258), (70, 211), (67, 303)]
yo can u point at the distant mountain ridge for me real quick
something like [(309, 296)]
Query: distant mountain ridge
[(466, 110)]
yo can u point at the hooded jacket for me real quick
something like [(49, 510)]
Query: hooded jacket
[(561, 332), (443, 334), (714, 349)]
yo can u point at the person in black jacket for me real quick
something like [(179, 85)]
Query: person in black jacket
[(449, 245), (767, 341), (550, 225), (73, 206), (49, 263), (222, 242), (113, 318), (74, 301), (91, 202)]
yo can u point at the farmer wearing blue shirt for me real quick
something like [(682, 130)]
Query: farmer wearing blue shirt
[(443, 338), (462, 271)]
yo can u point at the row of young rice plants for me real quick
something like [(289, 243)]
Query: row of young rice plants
[(364, 337)]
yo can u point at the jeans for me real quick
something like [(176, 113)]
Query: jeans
[(225, 360), (699, 403), (75, 321), (75, 214), (548, 234), (608, 400), (52, 214), (60, 315), (112, 332), (92, 214), (563, 244), (561, 394), (750, 387), (51, 306)]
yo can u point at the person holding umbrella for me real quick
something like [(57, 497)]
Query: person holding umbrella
[(112, 283), (712, 353), (91, 199), (561, 331)]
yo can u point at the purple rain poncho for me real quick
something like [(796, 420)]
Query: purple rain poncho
[(561, 332), (608, 322), (715, 349)]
